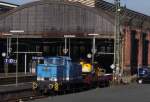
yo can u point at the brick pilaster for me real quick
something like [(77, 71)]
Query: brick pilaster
[(127, 49), (140, 48), (148, 38)]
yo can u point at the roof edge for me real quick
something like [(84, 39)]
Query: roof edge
[(8, 4)]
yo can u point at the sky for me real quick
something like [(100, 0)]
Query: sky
[(142, 6)]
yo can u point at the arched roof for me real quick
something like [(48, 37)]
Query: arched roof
[(56, 18)]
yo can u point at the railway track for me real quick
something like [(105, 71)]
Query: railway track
[(33, 95)]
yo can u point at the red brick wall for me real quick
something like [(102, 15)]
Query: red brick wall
[(127, 48)]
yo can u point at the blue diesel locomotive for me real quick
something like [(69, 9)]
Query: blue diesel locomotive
[(60, 74), (57, 73)]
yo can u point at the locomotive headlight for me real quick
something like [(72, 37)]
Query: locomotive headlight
[(40, 79)]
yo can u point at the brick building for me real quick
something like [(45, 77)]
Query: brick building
[(45, 23)]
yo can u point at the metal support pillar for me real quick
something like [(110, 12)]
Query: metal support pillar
[(69, 47), (9, 46), (93, 52), (117, 43), (6, 64), (17, 60), (93, 48), (25, 63), (65, 50)]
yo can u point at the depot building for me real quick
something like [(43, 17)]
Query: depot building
[(49, 26)]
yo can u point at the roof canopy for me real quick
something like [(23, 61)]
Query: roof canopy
[(50, 18), (56, 18)]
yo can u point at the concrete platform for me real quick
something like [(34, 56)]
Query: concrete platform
[(13, 87), (11, 78), (20, 74)]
